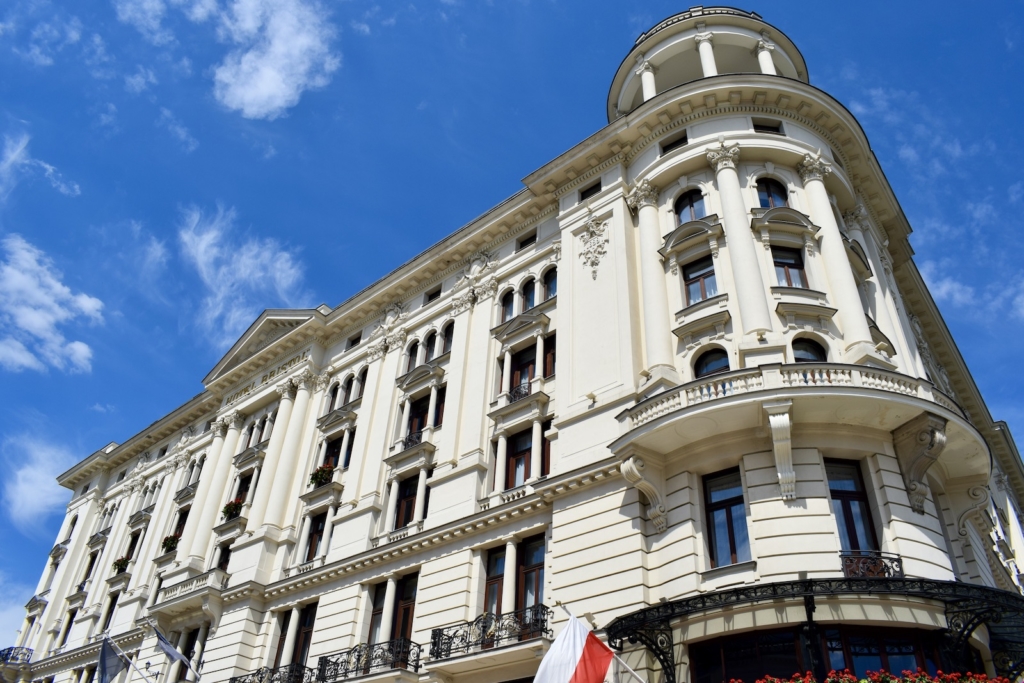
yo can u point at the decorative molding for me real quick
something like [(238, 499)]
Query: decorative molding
[(918, 444), (219, 428), (286, 389), (983, 496), (781, 422), (813, 167), (644, 193), (725, 156), (763, 46), (633, 469), (322, 381), (703, 37), (594, 243)]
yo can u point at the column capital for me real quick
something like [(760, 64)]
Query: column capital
[(219, 428), (235, 419), (814, 167), (642, 65), (644, 193), (702, 37), (305, 379), (322, 381), (764, 46), (725, 156), (286, 389)]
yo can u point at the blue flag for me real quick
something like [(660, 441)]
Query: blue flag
[(110, 664)]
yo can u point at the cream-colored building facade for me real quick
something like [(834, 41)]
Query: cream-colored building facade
[(688, 382)]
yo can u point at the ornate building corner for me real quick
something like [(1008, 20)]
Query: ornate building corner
[(814, 167), (633, 470), (724, 156), (594, 246), (918, 444), (781, 423)]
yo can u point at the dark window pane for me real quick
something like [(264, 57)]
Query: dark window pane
[(843, 477), (739, 530), (844, 534), (724, 487), (866, 655), (807, 351), (711, 362)]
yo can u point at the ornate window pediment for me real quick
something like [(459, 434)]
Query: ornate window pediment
[(337, 419), (784, 225), (524, 325), (689, 238), (420, 376)]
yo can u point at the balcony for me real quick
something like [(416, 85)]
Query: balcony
[(292, 673), (871, 564), (518, 393), (199, 592), (366, 659), (490, 631), (16, 655), (413, 439)]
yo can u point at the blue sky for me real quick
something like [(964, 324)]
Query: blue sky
[(169, 168)]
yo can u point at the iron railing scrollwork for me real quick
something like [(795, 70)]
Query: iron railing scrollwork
[(490, 630), (519, 392), (16, 655), (414, 439), (868, 564), (400, 653), (290, 673)]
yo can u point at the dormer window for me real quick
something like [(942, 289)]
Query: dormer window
[(768, 126), (771, 194), (690, 206), (674, 143), (590, 191), (432, 295), (526, 240)]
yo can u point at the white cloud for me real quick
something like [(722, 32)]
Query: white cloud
[(13, 596), (107, 117), (34, 303), (140, 80), (360, 27), (1016, 192), (241, 276), (947, 288), (282, 50), (197, 10), (96, 56), (49, 38), (147, 17), (177, 129), (16, 163), (31, 493)]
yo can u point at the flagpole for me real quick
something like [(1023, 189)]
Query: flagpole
[(617, 658), (126, 657)]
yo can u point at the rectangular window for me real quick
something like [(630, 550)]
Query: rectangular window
[(673, 143), (109, 615), (304, 638), (518, 469), (348, 451), (354, 340), (726, 518), (286, 617), (699, 280), (406, 507), (432, 295), (69, 622), (767, 126), (332, 452), (495, 580), (523, 364), (442, 394), (89, 567), (590, 191), (224, 560), (789, 267), (179, 528), (530, 592), (405, 605), (850, 505), (317, 527), (377, 612), (526, 240), (133, 543), (244, 484), (545, 453), (418, 414), (549, 355)]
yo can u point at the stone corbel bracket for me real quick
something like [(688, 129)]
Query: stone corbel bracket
[(649, 480), (780, 421), (918, 444)]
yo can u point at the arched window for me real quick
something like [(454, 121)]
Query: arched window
[(428, 344), (771, 193), (346, 394), (414, 351), (711, 363), (690, 206), (449, 335), (507, 306), (528, 294), (362, 382), (550, 283), (808, 351), (333, 402)]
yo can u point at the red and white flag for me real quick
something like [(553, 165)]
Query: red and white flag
[(576, 656)]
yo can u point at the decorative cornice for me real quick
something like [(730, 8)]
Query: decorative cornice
[(725, 156), (814, 167)]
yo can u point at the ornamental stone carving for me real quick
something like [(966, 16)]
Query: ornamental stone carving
[(781, 424), (704, 37), (634, 470), (286, 389), (219, 428), (644, 193), (477, 282), (642, 65), (814, 167), (305, 379), (725, 156), (594, 246), (918, 444), (377, 350), (322, 381), (463, 301), (764, 46)]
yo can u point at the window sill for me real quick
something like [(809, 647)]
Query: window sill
[(741, 572)]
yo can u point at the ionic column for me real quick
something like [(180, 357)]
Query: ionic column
[(852, 320), (421, 496), (536, 444), (707, 54), (261, 499), (508, 580), (501, 462), (346, 437), (280, 498), (506, 371), (289, 639), (325, 542), (764, 57), (389, 523), (432, 403), (742, 253), (207, 517), (645, 70), (387, 619), (657, 332), (303, 540), (540, 356), (197, 656)]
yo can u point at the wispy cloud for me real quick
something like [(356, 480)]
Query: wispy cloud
[(34, 305), (147, 17), (16, 163), (13, 596), (283, 48), (30, 492), (140, 80), (48, 38), (241, 276), (177, 129), (946, 288)]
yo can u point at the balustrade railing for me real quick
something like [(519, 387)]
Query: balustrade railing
[(291, 673), (490, 630), (871, 564), (400, 653), (16, 655), (519, 392)]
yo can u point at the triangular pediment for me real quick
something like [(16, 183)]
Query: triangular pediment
[(523, 320), (271, 326)]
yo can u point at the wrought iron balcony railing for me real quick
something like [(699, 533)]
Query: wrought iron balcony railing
[(16, 655), (519, 392), (871, 564), (364, 659), (490, 630), (414, 439), (292, 673)]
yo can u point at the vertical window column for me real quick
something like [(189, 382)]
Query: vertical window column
[(421, 496), (536, 449), (501, 461), (706, 51), (197, 651), (392, 505), (294, 621), (325, 541), (432, 406), (764, 56), (509, 580), (387, 617), (539, 341)]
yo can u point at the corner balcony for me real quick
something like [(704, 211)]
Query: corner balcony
[(393, 656), (16, 655), (853, 396), (491, 640), (196, 594), (871, 564)]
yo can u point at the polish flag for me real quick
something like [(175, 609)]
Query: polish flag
[(576, 656)]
